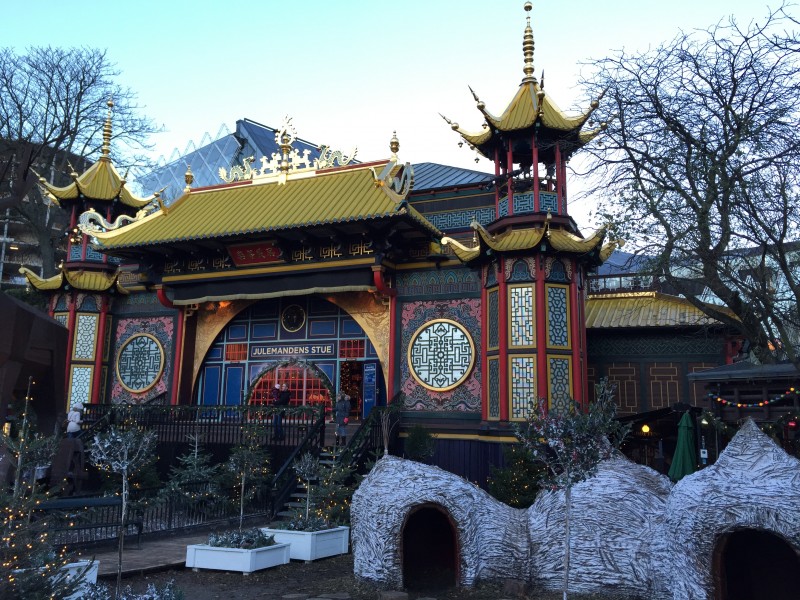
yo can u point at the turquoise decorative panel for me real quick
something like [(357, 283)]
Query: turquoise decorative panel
[(492, 317), (559, 384), (548, 201), (494, 389), (522, 323), (502, 207), (557, 323), (523, 203), (520, 272), (523, 385)]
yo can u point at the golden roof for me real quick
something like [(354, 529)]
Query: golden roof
[(525, 239), (247, 208), (530, 106), (78, 279), (643, 309), (100, 182)]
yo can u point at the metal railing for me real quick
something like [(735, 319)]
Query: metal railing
[(213, 424)]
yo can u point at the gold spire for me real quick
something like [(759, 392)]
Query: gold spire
[(105, 150), (188, 177), (394, 144), (527, 48)]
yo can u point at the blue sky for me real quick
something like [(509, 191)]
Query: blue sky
[(349, 73)]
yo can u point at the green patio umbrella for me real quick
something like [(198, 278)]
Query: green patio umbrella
[(684, 459)]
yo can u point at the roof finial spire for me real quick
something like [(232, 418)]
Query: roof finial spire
[(527, 48), (105, 149), (394, 145)]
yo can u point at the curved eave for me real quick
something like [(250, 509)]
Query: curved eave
[(78, 279), (523, 112), (248, 209), (518, 240), (100, 182)]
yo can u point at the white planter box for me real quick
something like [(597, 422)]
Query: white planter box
[(311, 545), (203, 556), (88, 577)]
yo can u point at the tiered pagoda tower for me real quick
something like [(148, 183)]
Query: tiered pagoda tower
[(81, 291), (532, 257)]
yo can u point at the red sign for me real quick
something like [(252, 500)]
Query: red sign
[(258, 253)]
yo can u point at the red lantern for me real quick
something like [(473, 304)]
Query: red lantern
[(792, 424)]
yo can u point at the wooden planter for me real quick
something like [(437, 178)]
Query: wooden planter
[(311, 545), (203, 556)]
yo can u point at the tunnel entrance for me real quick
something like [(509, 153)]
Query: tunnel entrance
[(429, 549), (755, 565)]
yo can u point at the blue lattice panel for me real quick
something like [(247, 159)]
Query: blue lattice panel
[(522, 310), (94, 255), (441, 355), (558, 372), (548, 202), (494, 388), (523, 203), (461, 219), (492, 317), (502, 207), (557, 317), (523, 385), (75, 252)]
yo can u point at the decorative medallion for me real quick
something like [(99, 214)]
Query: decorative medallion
[(140, 363), (441, 355), (293, 317)]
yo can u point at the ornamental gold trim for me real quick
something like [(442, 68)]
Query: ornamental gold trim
[(156, 379), (467, 371)]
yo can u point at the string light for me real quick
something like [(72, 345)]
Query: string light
[(790, 392)]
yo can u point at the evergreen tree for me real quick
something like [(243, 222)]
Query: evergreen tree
[(518, 482)]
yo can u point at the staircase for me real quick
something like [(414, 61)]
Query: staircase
[(297, 499)]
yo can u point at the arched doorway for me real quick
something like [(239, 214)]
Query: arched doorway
[(755, 565), (429, 550), (307, 385)]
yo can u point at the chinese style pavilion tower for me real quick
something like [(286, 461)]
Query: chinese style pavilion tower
[(532, 257), (81, 292)]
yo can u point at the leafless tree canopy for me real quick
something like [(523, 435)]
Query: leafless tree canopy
[(52, 109), (699, 169)]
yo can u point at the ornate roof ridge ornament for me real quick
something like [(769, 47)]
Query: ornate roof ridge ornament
[(105, 149), (396, 180), (281, 165), (527, 48)]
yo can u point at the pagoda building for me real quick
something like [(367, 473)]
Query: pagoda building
[(532, 257), (82, 290)]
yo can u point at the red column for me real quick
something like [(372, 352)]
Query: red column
[(390, 375), (71, 300), (541, 331), (496, 187), (580, 273), (559, 179), (502, 299), (535, 157), (563, 179), (99, 349), (178, 357), (484, 345), (576, 326), (509, 171)]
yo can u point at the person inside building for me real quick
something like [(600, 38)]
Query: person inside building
[(341, 414), (74, 421), (284, 396)]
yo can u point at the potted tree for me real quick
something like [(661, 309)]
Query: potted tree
[(242, 550), (317, 533)]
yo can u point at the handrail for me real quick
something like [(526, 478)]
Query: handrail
[(283, 483)]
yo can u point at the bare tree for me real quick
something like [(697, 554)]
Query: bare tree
[(699, 168), (52, 109)]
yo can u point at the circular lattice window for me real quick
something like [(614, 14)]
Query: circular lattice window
[(441, 355), (140, 362)]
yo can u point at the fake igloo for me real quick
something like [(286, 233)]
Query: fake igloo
[(732, 528)]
